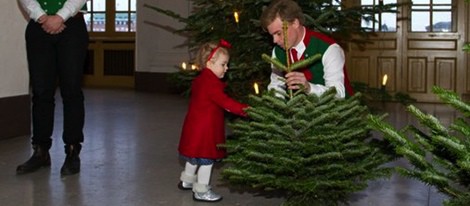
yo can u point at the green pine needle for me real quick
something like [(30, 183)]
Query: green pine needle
[(448, 169)]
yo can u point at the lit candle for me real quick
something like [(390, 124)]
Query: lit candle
[(183, 65), (384, 80), (255, 85), (193, 67), (235, 15)]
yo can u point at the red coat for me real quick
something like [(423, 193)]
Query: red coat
[(204, 126)]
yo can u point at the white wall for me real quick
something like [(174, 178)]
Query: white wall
[(157, 48), (14, 78)]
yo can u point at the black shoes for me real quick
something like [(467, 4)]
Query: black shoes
[(72, 160), (40, 158)]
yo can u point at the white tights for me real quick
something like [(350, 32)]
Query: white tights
[(203, 173)]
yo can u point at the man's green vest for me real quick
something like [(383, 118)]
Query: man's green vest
[(51, 7), (315, 46), (318, 45)]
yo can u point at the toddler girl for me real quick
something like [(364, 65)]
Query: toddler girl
[(204, 127)]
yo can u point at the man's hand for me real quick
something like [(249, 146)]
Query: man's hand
[(42, 19), (53, 24), (295, 79)]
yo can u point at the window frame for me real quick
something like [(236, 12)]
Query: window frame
[(432, 11), (377, 27), (110, 20)]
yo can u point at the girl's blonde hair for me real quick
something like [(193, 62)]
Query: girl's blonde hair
[(213, 49)]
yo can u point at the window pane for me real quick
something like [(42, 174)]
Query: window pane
[(421, 1), (87, 18), (122, 5), (441, 1), (99, 5), (99, 20), (121, 22), (133, 21), (133, 5), (420, 21), (442, 22), (367, 2), (421, 8), (442, 7), (365, 23), (389, 22), (442, 16), (88, 6)]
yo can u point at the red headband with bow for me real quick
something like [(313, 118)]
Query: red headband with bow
[(222, 43)]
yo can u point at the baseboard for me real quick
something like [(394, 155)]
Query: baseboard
[(15, 120)]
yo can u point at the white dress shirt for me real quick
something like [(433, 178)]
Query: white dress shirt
[(70, 8)]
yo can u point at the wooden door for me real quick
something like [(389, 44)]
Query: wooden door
[(416, 56), (432, 56), (463, 73)]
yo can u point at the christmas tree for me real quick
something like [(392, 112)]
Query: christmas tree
[(238, 22), (314, 150), (448, 169)]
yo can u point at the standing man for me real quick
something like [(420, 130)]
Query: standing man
[(56, 46), (302, 43)]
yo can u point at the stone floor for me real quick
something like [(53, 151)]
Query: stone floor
[(129, 157)]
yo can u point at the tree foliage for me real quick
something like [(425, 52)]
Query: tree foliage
[(315, 150), (440, 156)]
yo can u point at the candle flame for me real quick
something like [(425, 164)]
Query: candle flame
[(183, 65), (193, 67), (235, 15), (384, 80), (255, 85)]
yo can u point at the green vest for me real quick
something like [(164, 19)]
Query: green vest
[(315, 46), (51, 7)]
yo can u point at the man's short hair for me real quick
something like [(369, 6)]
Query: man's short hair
[(287, 10)]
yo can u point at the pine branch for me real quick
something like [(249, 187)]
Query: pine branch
[(453, 100), (449, 167), (466, 47), (428, 120), (461, 125), (275, 61), (395, 138), (305, 62)]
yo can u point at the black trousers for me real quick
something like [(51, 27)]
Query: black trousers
[(57, 60)]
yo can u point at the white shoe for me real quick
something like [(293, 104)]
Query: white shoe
[(185, 185), (208, 196)]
